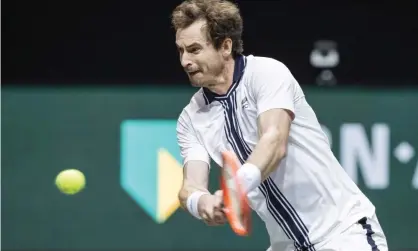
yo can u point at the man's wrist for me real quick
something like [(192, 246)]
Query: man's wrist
[(193, 203), (250, 176)]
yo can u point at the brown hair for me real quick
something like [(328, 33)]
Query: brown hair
[(222, 17)]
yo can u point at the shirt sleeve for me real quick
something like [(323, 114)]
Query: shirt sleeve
[(190, 147), (274, 87)]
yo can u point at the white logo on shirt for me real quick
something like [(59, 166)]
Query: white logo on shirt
[(244, 103)]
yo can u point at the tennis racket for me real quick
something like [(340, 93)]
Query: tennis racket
[(235, 200)]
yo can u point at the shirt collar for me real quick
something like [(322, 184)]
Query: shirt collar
[(239, 68)]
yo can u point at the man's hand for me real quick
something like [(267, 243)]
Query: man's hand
[(211, 209)]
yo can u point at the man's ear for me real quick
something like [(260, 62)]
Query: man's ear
[(226, 47)]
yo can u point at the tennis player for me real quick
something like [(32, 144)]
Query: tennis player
[(255, 107)]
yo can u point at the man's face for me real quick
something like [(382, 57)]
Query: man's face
[(201, 61)]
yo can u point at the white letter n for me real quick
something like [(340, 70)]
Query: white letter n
[(373, 161)]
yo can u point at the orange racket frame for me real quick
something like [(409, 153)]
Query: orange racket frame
[(242, 229)]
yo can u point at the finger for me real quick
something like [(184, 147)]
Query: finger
[(213, 223), (220, 217), (218, 202), (217, 221), (218, 214), (205, 217), (219, 193), (222, 221), (210, 213)]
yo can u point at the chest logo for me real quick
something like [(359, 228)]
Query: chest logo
[(244, 103)]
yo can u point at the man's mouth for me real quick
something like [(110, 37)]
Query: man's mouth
[(192, 73)]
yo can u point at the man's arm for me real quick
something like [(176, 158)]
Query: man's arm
[(273, 127), (194, 195), (207, 206), (195, 178), (273, 90), (195, 164)]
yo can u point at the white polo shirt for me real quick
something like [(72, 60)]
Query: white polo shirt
[(309, 197)]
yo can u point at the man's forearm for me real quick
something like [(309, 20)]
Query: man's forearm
[(268, 153), (195, 178)]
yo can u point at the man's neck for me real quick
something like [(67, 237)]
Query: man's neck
[(224, 81)]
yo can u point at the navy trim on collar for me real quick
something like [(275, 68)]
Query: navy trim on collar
[(239, 68)]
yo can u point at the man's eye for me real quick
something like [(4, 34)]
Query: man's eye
[(194, 50)]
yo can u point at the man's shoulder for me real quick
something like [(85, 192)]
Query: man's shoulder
[(266, 67), (264, 63), (196, 102), (265, 70)]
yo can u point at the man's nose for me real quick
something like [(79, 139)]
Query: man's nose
[(185, 60)]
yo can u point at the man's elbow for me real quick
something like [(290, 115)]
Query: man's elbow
[(282, 151), (279, 142), (278, 139), (282, 145), (279, 154)]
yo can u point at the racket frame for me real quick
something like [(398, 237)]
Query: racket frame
[(241, 226)]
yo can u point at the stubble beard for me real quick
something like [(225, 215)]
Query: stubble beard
[(210, 79)]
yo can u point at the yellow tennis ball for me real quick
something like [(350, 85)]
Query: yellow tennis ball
[(70, 181)]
